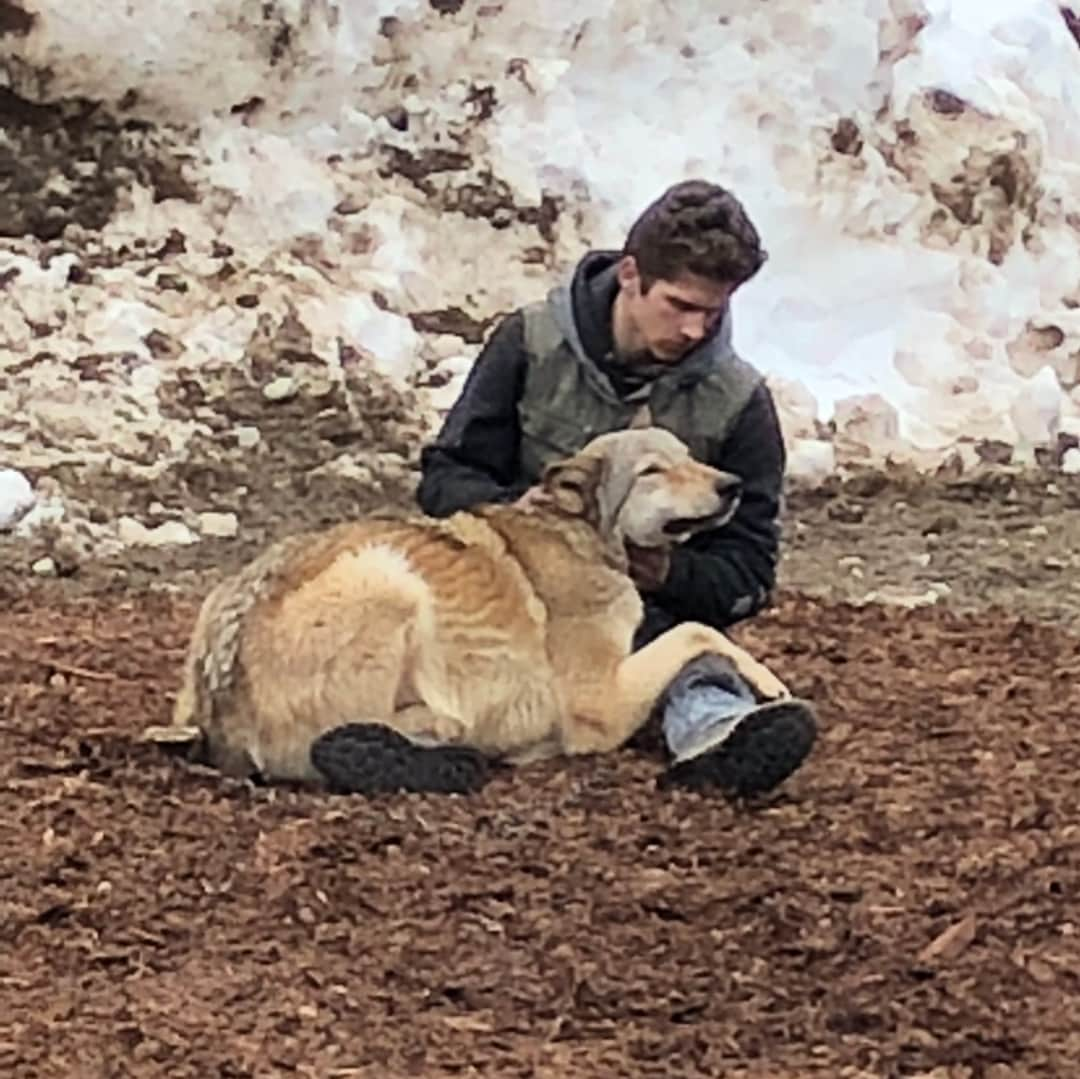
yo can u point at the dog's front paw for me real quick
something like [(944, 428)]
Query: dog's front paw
[(765, 684)]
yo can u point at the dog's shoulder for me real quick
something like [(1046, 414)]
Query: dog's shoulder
[(562, 556), (538, 527)]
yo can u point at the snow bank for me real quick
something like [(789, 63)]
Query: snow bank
[(909, 164)]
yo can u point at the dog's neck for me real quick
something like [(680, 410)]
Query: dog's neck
[(610, 537), (614, 547)]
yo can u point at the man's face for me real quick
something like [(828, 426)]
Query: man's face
[(673, 316)]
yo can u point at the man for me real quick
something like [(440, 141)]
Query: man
[(643, 336)]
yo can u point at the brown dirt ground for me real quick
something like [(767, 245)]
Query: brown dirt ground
[(993, 539), (902, 907)]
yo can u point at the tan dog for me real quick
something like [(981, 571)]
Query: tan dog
[(504, 628)]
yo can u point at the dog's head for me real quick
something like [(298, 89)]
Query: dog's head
[(642, 486)]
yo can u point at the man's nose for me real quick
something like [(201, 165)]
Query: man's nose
[(695, 325)]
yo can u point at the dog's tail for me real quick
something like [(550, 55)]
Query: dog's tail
[(211, 665)]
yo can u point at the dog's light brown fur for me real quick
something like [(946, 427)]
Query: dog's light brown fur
[(504, 628)]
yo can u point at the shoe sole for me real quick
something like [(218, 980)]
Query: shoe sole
[(764, 749), (369, 758)]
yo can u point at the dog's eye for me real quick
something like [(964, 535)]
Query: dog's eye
[(651, 470)]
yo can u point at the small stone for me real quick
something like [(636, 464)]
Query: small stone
[(134, 533), (221, 525), (44, 567), (896, 596), (846, 512), (247, 437), (281, 389), (946, 522)]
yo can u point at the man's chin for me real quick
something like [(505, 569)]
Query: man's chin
[(669, 353)]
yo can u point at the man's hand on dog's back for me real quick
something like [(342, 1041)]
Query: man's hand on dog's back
[(535, 497)]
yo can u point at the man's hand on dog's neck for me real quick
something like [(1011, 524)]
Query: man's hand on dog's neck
[(649, 566)]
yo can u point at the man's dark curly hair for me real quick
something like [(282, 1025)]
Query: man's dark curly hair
[(695, 227)]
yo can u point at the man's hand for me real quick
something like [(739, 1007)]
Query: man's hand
[(533, 497), (649, 566)]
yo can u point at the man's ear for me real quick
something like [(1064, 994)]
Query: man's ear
[(574, 485), (627, 273)]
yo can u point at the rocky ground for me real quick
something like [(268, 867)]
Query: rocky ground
[(998, 537), (901, 908)]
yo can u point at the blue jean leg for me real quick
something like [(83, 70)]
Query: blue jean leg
[(706, 698), (703, 704)]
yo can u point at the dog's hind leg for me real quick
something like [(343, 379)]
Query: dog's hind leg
[(373, 758)]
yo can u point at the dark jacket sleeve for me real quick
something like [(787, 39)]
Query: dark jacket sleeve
[(726, 575), (474, 457)]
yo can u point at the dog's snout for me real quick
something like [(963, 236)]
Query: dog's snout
[(727, 485)]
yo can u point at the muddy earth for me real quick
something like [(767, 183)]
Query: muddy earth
[(904, 906)]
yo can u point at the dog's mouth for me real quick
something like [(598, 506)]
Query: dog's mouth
[(680, 526)]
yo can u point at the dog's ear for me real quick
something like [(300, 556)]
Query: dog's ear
[(575, 484)]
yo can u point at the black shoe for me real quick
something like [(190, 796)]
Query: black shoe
[(369, 758), (766, 746)]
